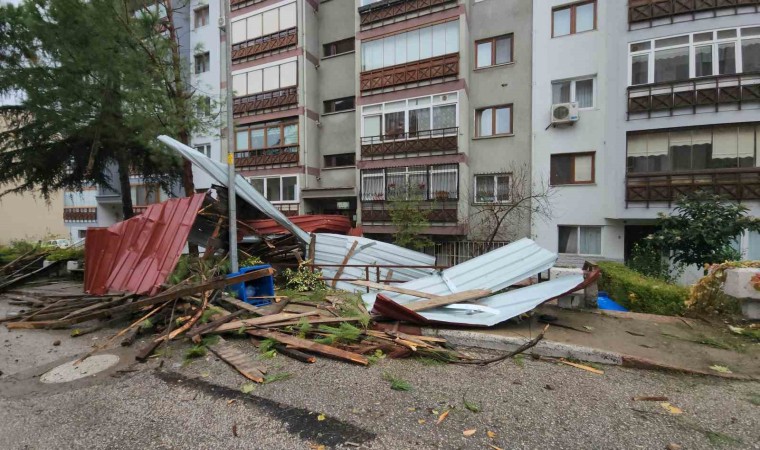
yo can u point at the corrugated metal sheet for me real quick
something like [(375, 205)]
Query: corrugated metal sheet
[(495, 270), (503, 306), (332, 249), (218, 172), (137, 255), (310, 223)]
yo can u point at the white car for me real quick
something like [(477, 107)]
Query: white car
[(60, 243)]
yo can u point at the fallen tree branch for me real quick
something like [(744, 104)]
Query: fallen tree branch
[(517, 351)]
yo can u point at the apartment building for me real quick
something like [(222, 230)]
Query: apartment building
[(341, 107), (660, 99), (198, 31)]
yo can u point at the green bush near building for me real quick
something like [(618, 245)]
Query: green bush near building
[(640, 293)]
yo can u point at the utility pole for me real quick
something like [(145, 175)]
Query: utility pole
[(225, 26)]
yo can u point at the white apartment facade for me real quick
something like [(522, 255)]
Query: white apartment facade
[(667, 104)]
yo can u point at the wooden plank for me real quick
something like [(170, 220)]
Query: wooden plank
[(210, 326), (444, 300), (348, 256), (239, 361), (240, 304), (295, 354), (265, 320), (313, 321), (389, 288), (315, 347)]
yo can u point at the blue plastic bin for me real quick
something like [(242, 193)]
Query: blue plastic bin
[(603, 301), (262, 287)]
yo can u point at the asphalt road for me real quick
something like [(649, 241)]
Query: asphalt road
[(167, 404)]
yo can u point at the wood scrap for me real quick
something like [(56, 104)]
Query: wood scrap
[(444, 300), (342, 266), (389, 288), (582, 366), (241, 304), (649, 398), (197, 331), (258, 321), (295, 354), (304, 344), (239, 361)]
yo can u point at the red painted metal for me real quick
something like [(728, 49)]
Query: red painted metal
[(137, 255), (310, 223)]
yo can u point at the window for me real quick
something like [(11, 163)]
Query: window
[(493, 121), (267, 79), (415, 45), (201, 16), (429, 116), (145, 194), (277, 189), (575, 18), (494, 51), (580, 240), (88, 197), (572, 168), (205, 149), (203, 107), (268, 138), (340, 160), (339, 104), (580, 91), (492, 188), (686, 149), (338, 47), (259, 25), (202, 62), (703, 54), (438, 182)]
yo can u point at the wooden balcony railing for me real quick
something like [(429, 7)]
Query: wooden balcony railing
[(80, 214), (703, 91), (139, 209), (648, 10), (388, 9), (439, 212), (267, 157), (264, 44), (734, 184), (443, 140), (412, 72), (289, 209), (266, 100), (237, 4)]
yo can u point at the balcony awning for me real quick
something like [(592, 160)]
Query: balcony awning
[(333, 192)]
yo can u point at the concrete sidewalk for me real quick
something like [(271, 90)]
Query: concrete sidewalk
[(629, 339)]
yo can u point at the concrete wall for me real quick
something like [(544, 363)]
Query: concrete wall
[(29, 217), (498, 85)]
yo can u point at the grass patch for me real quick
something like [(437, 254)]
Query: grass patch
[(397, 384), (211, 339), (194, 352), (277, 377), (428, 361)]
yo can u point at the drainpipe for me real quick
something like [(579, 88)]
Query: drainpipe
[(305, 113)]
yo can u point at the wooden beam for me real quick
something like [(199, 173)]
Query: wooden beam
[(444, 300), (315, 347), (258, 321), (348, 256), (389, 288)]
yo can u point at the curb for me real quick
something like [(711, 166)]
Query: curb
[(560, 350)]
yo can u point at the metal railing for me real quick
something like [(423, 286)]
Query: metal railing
[(457, 252), (649, 10)]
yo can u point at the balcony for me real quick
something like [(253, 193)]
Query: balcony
[(267, 157), (649, 10), (80, 214), (414, 72), (257, 103), (237, 4), (253, 48), (441, 141), (735, 184), (438, 213), (695, 93), (393, 9)]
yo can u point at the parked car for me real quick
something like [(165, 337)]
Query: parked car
[(59, 243)]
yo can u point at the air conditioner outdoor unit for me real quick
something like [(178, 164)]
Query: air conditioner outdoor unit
[(221, 23), (564, 113)]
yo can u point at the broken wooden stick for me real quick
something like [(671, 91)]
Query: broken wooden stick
[(531, 343), (311, 346), (295, 354)]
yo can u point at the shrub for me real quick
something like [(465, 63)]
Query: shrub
[(707, 295), (640, 293), (648, 259), (304, 279)]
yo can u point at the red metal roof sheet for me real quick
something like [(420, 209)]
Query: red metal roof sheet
[(137, 255), (310, 223)]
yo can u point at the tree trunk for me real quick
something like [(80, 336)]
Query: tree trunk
[(126, 189)]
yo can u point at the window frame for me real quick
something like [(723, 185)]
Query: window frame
[(248, 22), (367, 111), (578, 240), (205, 59), (573, 97), (201, 9), (495, 177), (493, 40), (381, 40), (429, 169), (331, 103), (572, 7), (266, 126), (715, 43), (334, 45), (573, 155), (279, 177), (204, 149), (334, 157), (479, 113), (149, 187), (246, 74)]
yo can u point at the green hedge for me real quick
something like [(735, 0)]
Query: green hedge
[(640, 293)]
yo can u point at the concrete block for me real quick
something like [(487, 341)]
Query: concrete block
[(751, 308), (572, 301), (72, 265), (738, 283)]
